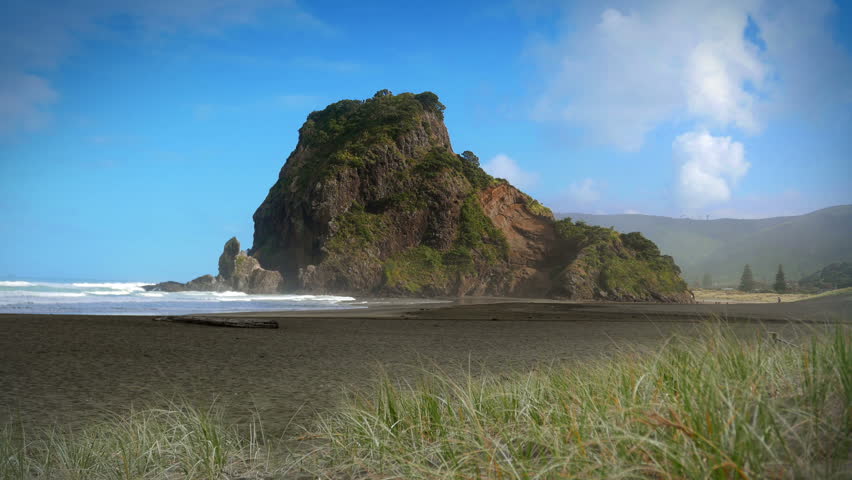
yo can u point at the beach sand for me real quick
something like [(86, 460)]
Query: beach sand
[(69, 370)]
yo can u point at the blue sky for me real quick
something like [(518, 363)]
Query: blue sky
[(136, 137)]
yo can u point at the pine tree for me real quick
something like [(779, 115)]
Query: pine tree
[(707, 281), (780, 284), (747, 280)]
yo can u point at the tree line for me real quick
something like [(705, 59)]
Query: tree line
[(748, 283)]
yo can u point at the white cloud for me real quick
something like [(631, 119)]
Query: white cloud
[(584, 192), (708, 167), (502, 166), (716, 76), (620, 72), (37, 39)]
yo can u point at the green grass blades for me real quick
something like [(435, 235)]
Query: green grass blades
[(722, 406), (160, 443), (718, 407)]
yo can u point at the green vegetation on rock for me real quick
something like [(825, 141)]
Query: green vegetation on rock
[(353, 123), (478, 233), (538, 209), (629, 264), (354, 133), (438, 160), (416, 269), (720, 247), (356, 227), (423, 268), (836, 275)]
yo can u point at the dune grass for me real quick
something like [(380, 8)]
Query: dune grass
[(717, 407), (179, 442)]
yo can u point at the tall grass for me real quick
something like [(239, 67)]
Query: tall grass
[(716, 407), (176, 442), (719, 407)]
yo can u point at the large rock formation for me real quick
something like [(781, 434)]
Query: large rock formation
[(374, 201)]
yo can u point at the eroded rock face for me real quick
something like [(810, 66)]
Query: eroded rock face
[(374, 201), (238, 271), (227, 261), (242, 272), (206, 283), (165, 287), (265, 281)]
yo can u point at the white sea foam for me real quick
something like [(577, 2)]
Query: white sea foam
[(130, 298), (21, 293), (110, 292), (131, 286), (16, 284)]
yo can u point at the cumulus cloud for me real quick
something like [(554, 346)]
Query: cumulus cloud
[(502, 166), (622, 71), (584, 192), (708, 167)]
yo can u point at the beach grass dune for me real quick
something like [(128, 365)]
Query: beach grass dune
[(180, 442), (719, 406)]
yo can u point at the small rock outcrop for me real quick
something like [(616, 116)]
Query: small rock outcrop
[(165, 287), (237, 272), (243, 273), (206, 283)]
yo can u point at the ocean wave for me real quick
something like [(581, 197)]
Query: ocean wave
[(111, 292), (130, 297), (14, 283), (307, 298), (25, 293), (131, 286)]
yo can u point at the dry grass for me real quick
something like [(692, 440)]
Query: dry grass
[(736, 296)]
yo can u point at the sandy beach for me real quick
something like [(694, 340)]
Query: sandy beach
[(68, 370)]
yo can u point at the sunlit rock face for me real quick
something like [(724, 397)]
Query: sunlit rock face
[(373, 200)]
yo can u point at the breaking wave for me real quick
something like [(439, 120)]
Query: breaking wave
[(129, 298)]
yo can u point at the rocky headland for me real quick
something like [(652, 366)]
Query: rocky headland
[(374, 201)]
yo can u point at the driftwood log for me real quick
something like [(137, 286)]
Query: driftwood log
[(220, 321)]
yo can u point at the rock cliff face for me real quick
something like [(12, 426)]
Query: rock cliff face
[(374, 201)]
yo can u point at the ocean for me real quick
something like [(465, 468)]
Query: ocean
[(87, 298)]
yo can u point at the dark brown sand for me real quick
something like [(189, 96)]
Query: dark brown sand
[(68, 370)]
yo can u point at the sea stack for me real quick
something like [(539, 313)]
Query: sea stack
[(374, 201)]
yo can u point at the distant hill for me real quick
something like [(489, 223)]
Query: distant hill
[(836, 275), (803, 244)]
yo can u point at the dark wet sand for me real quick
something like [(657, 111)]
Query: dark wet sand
[(69, 370)]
